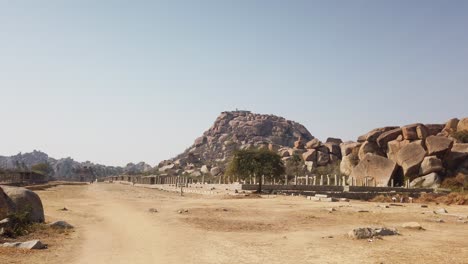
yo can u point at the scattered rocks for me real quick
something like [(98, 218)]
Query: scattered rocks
[(412, 225), (33, 244), (153, 210), (61, 225), (63, 209), (330, 210), (424, 206), (362, 211), (369, 232)]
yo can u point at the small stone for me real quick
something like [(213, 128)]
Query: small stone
[(63, 209), (424, 206), (61, 224), (412, 225), (331, 210), (362, 211), (153, 210), (440, 211)]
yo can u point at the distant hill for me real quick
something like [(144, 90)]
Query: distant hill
[(68, 168)]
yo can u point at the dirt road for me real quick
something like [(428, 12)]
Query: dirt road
[(113, 225)]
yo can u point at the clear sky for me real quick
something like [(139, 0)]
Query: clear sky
[(128, 81)]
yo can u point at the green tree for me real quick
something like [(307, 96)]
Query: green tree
[(245, 163), (294, 165)]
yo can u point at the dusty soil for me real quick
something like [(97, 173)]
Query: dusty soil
[(114, 225)]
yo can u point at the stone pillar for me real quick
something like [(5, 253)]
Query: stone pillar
[(343, 180), (328, 179), (263, 179), (321, 180), (295, 179), (285, 179), (315, 179), (336, 180), (307, 179), (391, 183)]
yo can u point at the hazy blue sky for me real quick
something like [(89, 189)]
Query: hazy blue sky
[(128, 81)]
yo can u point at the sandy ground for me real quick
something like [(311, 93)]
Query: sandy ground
[(113, 225)]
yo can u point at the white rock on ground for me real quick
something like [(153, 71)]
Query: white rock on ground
[(33, 244)]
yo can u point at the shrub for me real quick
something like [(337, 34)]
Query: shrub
[(461, 136), (19, 224), (455, 183)]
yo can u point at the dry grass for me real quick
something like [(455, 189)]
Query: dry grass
[(451, 198), (455, 183)]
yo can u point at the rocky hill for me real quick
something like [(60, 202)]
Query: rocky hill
[(68, 168), (243, 130)]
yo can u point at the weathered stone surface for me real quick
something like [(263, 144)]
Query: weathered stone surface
[(422, 131), (451, 125), (336, 141), (463, 124), (215, 171), (394, 147), (409, 131), (314, 143), (410, 158), (431, 180), (438, 145), (299, 144), (375, 167), (33, 244), (430, 164), (457, 155), (368, 147), (6, 205), (348, 147), (24, 199), (200, 141), (369, 232), (274, 147), (334, 158), (204, 169), (310, 155), (284, 153), (372, 135), (434, 129), (347, 164), (333, 149), (322, 158), (310, 165), (388, 136)]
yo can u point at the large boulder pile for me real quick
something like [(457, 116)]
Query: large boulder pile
[(422, 153)]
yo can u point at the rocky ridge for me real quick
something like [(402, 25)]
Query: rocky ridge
[(68, 168)]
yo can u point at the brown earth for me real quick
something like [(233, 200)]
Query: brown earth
[(113, 225)]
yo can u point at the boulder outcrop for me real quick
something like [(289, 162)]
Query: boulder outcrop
[(24, 199), (410, 158), (376, 168)]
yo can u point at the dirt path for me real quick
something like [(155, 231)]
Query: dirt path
[(113, 225)]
